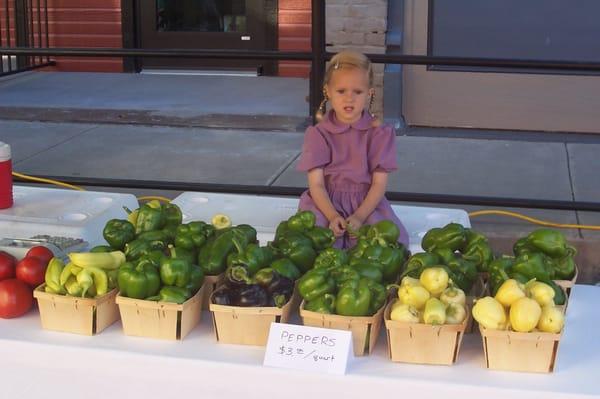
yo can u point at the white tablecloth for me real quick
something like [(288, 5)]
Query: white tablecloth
[(36, 363)]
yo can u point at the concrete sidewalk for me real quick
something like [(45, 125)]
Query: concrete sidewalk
[(503, 164)]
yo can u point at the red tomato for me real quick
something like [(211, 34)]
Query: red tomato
[(7, 265), (31, 270), (15, 298), (41, 252)]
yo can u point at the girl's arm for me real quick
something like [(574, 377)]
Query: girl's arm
[(318, 192), (374, 196)]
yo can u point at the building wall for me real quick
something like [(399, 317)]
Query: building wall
[(86, 23), (294, 35), (359, 25)]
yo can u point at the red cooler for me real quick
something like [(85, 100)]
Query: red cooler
[(6, 194)]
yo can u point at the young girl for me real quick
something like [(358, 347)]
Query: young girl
[(348, 155)]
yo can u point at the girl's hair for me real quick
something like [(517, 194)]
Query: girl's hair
[(346, 59)]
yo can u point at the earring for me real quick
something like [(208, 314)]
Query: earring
[(371, 101)]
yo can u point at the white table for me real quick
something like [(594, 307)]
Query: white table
[(37, 363)]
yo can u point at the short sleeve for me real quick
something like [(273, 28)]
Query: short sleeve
[(382, 150), (315, 151)]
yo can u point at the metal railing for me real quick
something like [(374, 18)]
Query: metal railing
[(24, 23), (317, 57)]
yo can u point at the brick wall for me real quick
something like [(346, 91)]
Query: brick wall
[(294, 35), (359, 25)]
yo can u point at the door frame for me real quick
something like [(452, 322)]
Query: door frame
[(491, 100)]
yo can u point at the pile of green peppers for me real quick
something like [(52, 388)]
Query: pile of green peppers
[(461, 251), (352, 283), (170, 278)]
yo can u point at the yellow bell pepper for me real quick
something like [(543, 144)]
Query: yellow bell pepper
[(541, 292), (410, 281), (509, 292), (453, 295), (552, 320), (489, 313), (435, 280), (525, 314), (404, 312), (413, 295), (435, 312), (455, 313)]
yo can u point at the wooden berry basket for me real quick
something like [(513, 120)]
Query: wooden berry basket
[(87, 316), (423, 343), (162, 320)]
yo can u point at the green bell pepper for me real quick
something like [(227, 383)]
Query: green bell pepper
[(193, 235), (391, 260), (480, 253), (321, 237), (252, 256), (150, 217), (138, 281), (354, 300), (286, 268), (384, 233), (324, 304), (196, 279), (550, 242), (138, 248), (330, 258), (102, 248), (175, 272), (171, 294), (301, 221), (378, 296), (172, 214), (155, 235), (564, 268), (314, 283), (463, 266), (369, 269), (452, 237), (522, 246), (559, 294), (473, 237), (298, 249), (249, 232), (534, 265), (212, 257), (118, 232), (344, 274)]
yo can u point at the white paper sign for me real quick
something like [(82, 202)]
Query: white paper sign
[(308, 348)]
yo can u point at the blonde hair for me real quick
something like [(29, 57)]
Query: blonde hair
[(346, 59)]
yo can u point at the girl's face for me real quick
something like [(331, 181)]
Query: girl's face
[(348, 91)]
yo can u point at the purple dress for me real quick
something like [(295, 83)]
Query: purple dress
[(349, 154)]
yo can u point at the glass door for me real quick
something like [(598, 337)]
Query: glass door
[(206, 24)]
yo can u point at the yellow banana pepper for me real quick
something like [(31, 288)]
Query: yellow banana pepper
[(404, 312), (435, 312), (541, 292), (455, 313), (509, 292), (453, 295), (435, 280), (413, 295), (488, 312), (552, 320), (525, 314)]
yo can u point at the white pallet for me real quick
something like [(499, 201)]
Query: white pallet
[(265, 212), (60, 212)]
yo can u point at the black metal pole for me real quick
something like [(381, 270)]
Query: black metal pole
[(317, 70)]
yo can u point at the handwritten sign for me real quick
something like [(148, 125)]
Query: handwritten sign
[(308, 348)]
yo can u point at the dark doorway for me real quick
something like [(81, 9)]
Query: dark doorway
[(207, 24)]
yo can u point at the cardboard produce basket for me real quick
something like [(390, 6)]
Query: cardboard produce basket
[(365, 330), (423, 343), (211, 283), (163, 320), (247, 325), (87, 316), (515, 351)]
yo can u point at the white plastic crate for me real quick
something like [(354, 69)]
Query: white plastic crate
[(60, 212), (265, 212)]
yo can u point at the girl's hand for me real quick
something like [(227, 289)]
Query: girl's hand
[(353, 224), (338, 226)]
